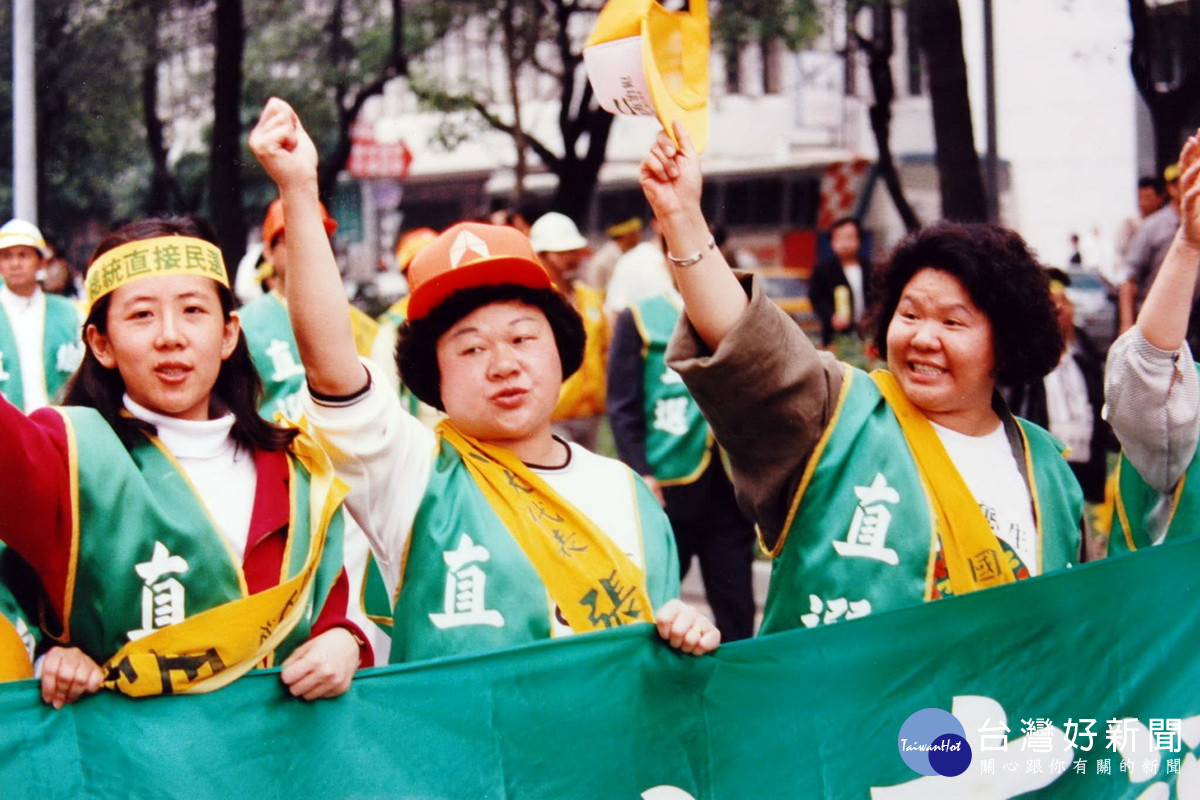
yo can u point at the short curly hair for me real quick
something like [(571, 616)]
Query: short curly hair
[(416, 340), (1003, 279)]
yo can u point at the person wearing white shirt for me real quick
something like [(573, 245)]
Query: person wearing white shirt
[(40, 343)]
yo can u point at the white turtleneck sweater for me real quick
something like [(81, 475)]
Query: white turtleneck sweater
[(223, 474)]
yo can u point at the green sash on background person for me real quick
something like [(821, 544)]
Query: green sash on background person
[(678, 439)]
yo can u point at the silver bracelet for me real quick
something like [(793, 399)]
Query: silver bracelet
[(694, 258)]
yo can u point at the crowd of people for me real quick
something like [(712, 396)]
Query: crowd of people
[(197, 490)]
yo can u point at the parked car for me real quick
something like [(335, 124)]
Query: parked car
[(789, 290), (1095, 304)]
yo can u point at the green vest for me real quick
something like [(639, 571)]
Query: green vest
[(148, 554), (1140, 520), (276, 357), (62, 350), (16, 576), (467, 587), (678, 439), (861, 536)]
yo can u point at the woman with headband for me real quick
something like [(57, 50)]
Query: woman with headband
[(181, 540)]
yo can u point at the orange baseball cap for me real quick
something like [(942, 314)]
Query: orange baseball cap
[(410, 244), (273, 225), (471, 254)]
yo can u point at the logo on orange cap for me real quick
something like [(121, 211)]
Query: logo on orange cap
[(471, 254), (465, 244)]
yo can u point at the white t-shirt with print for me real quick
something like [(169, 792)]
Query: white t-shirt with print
[(990, 471)]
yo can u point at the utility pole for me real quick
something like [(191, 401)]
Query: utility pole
[(25, 201), (991, 158)]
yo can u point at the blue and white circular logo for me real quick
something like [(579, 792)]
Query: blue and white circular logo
[(932, 742)]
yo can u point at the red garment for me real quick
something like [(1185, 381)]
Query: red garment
[(35, 498)]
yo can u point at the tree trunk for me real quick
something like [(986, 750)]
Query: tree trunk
[(937, 25), (396, 66), (164, 194), (513, 60), (879, 53), (1172, 100), (225, 175)]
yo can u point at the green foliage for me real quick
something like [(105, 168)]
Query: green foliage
[(90, 151), (794, 23)]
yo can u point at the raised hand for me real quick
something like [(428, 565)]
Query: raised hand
[(1189, 190), (670, 176), (283, 147)]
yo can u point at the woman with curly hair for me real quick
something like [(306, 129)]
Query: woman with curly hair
[(878, 491)]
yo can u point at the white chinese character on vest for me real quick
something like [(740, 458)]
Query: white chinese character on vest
[(670, 415), (26, 637), (827, 612), (283, 362), (68, 357), (869, 528), (465, 602), (162, 600), (670, 377)]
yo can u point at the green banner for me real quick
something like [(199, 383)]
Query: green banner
[(806, 714)]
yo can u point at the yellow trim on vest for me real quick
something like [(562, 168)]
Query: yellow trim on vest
[(1122, 514), (584, 571), (1127, 529), (811, 466), (704, 462), (1033, 495), (14, 658), (362, 596), (73, 559), (974, 558)]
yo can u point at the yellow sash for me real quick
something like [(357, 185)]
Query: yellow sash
[(594, 584), (216, 647), (14, 658), (974, 557)]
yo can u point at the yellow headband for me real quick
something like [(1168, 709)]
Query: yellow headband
[(1057, 287), (149, 258)]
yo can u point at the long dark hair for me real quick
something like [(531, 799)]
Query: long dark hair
[(238, 385)]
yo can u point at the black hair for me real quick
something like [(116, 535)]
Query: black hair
[(849, 219), (1155, 182), (416, 340), (238, 385), (1003, 279)]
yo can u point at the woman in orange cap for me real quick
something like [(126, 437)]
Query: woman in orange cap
[(496, 532)]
